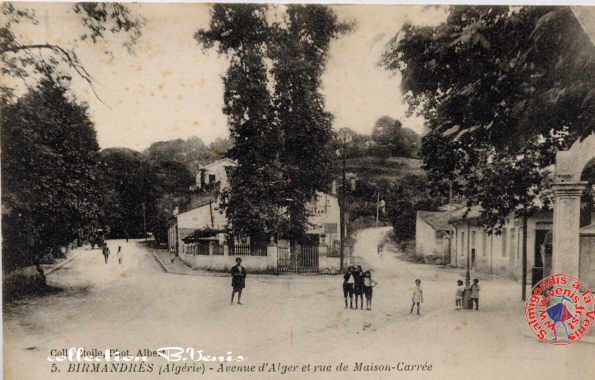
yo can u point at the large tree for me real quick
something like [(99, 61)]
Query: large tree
[(49, 166), (502, 90), (299, 50), (278, 124), (241, 32)]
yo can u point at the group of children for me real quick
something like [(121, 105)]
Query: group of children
[(474, 294), (418, 295), (359, 283)]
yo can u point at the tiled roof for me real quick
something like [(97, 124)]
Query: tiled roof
[(438, 220), (464, 214)]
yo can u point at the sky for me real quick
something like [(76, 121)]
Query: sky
[(171, 88)]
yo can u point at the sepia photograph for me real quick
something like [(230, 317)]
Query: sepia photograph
[(297, 190)]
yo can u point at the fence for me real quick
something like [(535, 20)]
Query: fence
[(199, 248), (247, 249), (304, 259)]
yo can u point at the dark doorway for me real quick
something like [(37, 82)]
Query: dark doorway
[(543, 255)]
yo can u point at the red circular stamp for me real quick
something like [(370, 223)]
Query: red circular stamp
[(560, 309)]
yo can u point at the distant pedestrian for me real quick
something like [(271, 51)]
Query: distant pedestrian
[(417, 297), (119, 255), (238, 280), (358, 288), (475, 294), (459, 295), (369, 284), (105, 252), (379, 249), (348, 282)]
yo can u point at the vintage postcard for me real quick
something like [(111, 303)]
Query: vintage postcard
[(296, 190)]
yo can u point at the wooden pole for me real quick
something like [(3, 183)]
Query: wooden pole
[(377, 204)]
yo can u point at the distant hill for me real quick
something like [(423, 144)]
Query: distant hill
[(121, 150), (193, 152), (389, 169)]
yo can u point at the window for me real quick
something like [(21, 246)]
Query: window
[(484, 239), (462, 243)]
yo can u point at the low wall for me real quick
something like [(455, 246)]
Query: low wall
[(267, 264), (260, 264)]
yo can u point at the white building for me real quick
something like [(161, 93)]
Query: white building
[(204, 223)]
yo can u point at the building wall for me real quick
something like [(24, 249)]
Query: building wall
[(587, 260), (201, 218), (324, 215), (425, 238), (217, 169), (198, 218), (497, 253)]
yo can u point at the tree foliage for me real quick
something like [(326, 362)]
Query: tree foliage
[(278, 124), (49, 166), (392, 139), (98, 19), (404, 198), (502, 90), (138, 191)]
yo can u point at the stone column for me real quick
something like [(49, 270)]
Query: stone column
[(567, 210), (272, 256)]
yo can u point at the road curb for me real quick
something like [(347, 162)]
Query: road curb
[(164, 267), (160, 263), (53, 269)]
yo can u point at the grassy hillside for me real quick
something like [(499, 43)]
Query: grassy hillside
[(389, 169)]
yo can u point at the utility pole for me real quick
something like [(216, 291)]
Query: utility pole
[(467, 292), (377, 205), (145, 220)]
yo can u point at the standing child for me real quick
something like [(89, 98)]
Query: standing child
[(460, 292), (368, 285), (348, 282), (358, 287), (238, 279), (105, 252), (475, 294), (417, 297)]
